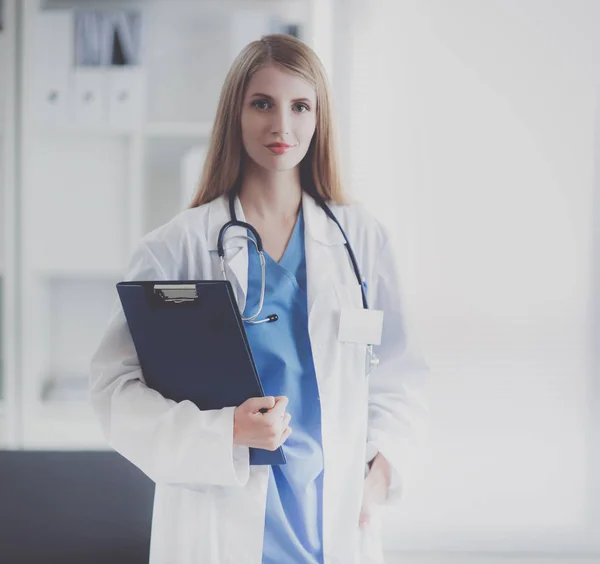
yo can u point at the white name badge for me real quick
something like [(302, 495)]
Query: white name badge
[(360, 326)]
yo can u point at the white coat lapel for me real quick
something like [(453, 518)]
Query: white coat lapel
[(236, 247), (322, 239)]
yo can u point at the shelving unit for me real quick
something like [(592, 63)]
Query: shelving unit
[(9, 382), (3, 144), (92, 185)]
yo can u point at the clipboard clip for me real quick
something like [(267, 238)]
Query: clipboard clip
[(176, 293)]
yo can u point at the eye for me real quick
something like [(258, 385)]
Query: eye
[(302, 108), (261, 104)]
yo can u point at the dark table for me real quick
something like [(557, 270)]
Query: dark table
[(73, 507)]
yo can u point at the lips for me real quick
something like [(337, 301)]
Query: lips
[(279, 148)]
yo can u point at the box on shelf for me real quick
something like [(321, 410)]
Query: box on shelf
[(53, 53), (125, 93), (88, 87), (86, 69)]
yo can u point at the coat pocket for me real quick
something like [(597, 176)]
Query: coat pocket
[(353, 347), (349, 294)]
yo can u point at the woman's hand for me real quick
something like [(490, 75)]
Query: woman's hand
[(375, 491), (255, 429)]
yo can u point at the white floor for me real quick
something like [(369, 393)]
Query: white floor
[(472, 558)]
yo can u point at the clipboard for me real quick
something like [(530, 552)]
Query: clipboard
[(191, 343)]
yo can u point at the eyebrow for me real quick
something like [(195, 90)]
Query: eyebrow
[(261, 95)]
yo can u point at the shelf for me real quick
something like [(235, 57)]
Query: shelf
[(61, 410), (64, 425), (100, 130), (80, 274), (71, 318), (151, 130), (66, 391), (178, 129)]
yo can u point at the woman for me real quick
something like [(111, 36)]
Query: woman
[(272, 162)]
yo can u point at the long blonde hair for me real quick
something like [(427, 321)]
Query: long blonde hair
[(319, 169)]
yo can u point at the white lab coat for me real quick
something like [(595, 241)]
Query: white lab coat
[(209, 505)]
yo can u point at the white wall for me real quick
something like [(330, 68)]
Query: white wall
[(476, 140)]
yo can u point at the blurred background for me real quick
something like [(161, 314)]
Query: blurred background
[(470, 127)]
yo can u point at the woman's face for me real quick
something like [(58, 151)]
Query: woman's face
[(279, 107)]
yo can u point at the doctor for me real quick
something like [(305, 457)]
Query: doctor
[(348, 430)]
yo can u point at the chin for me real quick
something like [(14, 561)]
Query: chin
[(273, 163), (278, 164)]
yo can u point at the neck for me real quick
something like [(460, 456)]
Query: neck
[(265, 194)]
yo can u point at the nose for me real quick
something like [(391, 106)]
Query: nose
[(281, 122)]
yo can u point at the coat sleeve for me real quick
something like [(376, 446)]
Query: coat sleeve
[(174, 443), (398, 412)]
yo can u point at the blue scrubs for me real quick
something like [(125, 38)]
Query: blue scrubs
[(293, 522)]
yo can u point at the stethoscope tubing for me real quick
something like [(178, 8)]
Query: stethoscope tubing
[(234, 222), (371, 359)]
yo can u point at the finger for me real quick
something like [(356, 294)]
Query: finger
[(368, 481), (282, 401), (365, 516), (367, 492), (280, 405), (286, 419), (374, 489), (255, 404), (286, 433)]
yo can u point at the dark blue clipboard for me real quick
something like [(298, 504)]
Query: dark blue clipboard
[(191, 343)]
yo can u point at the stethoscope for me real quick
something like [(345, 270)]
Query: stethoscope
[(372, 360)]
